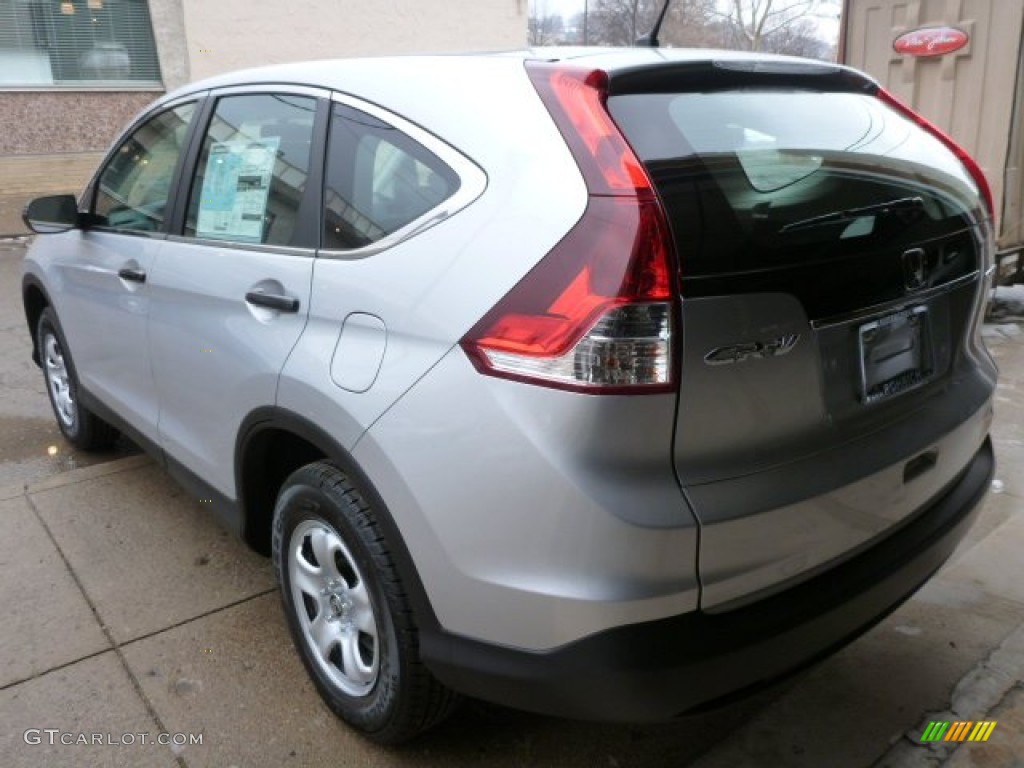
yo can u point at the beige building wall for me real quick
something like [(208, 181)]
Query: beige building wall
[(231, 34), (968, 93)]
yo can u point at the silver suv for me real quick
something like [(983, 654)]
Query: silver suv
[(601, 383)]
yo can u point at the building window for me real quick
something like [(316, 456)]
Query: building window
[(77, 43)]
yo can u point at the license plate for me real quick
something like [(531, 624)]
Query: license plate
[(895, 354)]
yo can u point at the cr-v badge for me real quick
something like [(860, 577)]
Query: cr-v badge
[(738, 353)]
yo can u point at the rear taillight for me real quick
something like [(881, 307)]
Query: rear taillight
[(984, 190), (597, 313)]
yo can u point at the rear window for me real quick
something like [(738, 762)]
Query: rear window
[(755, 179)]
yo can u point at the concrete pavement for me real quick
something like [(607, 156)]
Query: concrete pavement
[(130, 612)]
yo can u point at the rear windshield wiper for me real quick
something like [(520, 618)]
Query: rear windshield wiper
[(906, 207)]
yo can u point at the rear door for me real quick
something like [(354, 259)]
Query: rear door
[(832, 256), (231, 293)]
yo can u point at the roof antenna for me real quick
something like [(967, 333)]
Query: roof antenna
[(650, 40)]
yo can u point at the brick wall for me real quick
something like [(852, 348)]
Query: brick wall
[(36, 122)]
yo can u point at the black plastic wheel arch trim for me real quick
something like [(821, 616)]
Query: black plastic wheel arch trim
[(273, 417), (27, 282)]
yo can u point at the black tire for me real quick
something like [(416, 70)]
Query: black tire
[(402, 699), (82, 428)]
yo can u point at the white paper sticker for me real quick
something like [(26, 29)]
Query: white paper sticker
[(236, 185)]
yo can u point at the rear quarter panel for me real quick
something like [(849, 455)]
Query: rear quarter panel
[(431, 288)]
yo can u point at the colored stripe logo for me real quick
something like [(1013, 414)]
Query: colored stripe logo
[(960, 730)]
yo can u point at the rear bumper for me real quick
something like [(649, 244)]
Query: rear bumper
[(656, 670)]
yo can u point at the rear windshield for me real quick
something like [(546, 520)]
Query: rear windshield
[(755, 179)]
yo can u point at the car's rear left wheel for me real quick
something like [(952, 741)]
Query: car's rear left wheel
[(347, 609)]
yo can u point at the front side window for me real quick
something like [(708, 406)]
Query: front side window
[(378, 180), (252, 170), (135, 185), (77, 42)]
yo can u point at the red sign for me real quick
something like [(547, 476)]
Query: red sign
[(930, 41)]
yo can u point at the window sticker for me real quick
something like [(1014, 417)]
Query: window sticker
[(236, 185)]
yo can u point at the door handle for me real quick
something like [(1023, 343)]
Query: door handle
[(273, 301), (133, 275)]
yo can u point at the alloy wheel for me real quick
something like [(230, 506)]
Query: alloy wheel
[(333, 606), (59, 381)]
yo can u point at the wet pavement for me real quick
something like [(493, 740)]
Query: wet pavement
[(32, 447), (129, 612)]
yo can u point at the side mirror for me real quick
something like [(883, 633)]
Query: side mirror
[(51, 214)]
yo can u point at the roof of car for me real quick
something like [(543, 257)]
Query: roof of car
[(342, 74), (466, 98)]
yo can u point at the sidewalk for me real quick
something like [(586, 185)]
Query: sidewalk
[(24, 177), (129, 612)]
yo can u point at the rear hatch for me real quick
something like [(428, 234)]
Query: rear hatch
[(833, 258)]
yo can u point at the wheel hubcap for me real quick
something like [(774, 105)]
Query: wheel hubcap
[(333, 607), (58, 380)]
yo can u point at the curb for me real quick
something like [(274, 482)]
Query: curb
[(979, 692)]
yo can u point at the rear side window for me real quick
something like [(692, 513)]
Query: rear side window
[(251, 176), (756, 179), (377, 180)]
